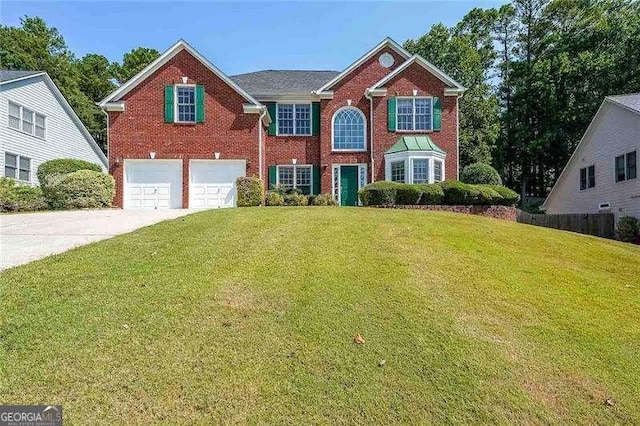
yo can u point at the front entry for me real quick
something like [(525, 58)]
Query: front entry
[(348, 185)]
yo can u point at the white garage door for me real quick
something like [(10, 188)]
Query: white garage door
[(213, 183), (153, 184)]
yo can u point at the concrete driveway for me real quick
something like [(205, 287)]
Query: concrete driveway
[(28, 237)]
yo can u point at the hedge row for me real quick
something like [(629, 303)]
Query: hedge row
[(18, 198), (447, 193), (277, 199)]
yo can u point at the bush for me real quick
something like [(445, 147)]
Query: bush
[(63, 166), (322, 200), (250, 191), (480, 174), (407, 194), (79, 190), (509, 197), (18, 198), (296, 200), (458, 193), (487, 196), (628, 229), (432, 194), (274, 199), (379, 193)]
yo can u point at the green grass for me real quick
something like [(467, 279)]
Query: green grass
[(248, 315)]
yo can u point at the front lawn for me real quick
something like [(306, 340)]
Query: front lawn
[(249, 315)]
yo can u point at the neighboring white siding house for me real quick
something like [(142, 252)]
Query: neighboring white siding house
[(37, 124), (602, 174)]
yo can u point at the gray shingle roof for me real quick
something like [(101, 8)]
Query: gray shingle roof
[(631, 101), (8, 75), (278, 82)]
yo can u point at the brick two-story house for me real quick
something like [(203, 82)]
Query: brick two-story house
[(181, 131)]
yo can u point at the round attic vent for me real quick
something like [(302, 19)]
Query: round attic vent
[(386, 60)]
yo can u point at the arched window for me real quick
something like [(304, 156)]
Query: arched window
[(349, 130)]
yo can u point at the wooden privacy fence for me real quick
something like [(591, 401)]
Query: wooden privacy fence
[(598, 224)]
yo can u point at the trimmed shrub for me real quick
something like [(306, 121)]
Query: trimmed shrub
[(296, 200), (487, 196), (458, 193), (432, 194), (379, 193), (79, 190), (407, 194), (19, 198), (628, 229), (480, 174), (322, 200), (63, 166), (250, 191), (274, 199), (509, 197)]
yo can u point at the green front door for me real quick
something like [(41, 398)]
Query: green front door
[(348, 185)]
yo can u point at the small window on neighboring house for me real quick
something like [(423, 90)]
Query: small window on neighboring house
[(14, 116), (17, 167), (299, 177), (413, 114), (26, 120), (437, 171), (186, 104), (397, 171), (626, 166), (294, 119), (40, 129), (587, 177), (421, 170)]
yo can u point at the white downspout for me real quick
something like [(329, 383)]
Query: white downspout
[(260, 142), (368, 96), (107, 153)]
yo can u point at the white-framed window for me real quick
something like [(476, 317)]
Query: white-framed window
[(626, 166), (293, 119), (397, 171), (17, 167), (26, 120), (437, 171), (420, 170), (186, 103), (587, 177), (349, 130), (414, 114), (296, 176)]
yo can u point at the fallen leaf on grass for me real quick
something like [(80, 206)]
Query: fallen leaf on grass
[(358, 339)]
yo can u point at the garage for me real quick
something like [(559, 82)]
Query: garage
[(153, 184), (212, 183)]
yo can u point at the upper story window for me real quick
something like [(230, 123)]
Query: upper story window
[(17, 167), (26, 120), (626, 168), (349, 130), (414, 114), (294, 119), (587, 177), (186, 104), (298, 177)]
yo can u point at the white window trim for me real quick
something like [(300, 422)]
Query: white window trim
[(333, 119), (408, 157), (413, 119), (615, 167), (335, 174), (175, 104), (18, 158), (294, 118), (295, 178), (35, 113)]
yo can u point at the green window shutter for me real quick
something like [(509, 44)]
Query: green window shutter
[(168, 104), (272, 177), (271, 107), (316, 180), (391, 114), (315, 117), (199, 103), (437, 114)]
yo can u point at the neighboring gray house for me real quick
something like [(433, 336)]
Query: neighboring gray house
[(37, 124), (602, 173)]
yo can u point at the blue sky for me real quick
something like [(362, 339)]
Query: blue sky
[(242, 36)]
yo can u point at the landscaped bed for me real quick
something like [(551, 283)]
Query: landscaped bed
[(249, 315)]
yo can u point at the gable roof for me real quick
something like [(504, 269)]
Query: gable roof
[(7, 76), (179, 46), (278, 82), (387, 42), (414, 143), (417, 59), (630, 101), (65, 105)]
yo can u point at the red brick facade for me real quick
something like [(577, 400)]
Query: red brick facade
[(227, 129)]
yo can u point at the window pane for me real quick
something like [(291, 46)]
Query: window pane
[(40, 120), (27, 120), (437, 171), (25, 175), (405, 114), (14, 122), (421, 171), (40, 132), (25, 163), (186, 104), (591, 173), (303, 119), (14, 110), (397, 171), (303, 176), (620, 168), (285, 119), (285, 176), (583, 178), (631, 165), (11, 160), (423, 114), (10, 172), (348, 130)]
